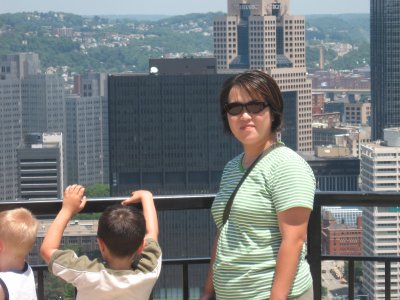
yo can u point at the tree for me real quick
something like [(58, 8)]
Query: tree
[(97, 190)]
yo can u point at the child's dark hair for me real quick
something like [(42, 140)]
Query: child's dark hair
[(122, 229)]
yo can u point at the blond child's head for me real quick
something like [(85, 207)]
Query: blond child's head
[(18, 229)]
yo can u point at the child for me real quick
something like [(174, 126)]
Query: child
[(123, 234), (18, 229)]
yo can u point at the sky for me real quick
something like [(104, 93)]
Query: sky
[(171, 7)]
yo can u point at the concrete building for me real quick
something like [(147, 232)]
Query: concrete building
[(335, 173), (380, 172), (344, 215), (43, 105), (19, 65), (13, 69), (40, 167), (385, 65), (357, 113), (10, 136), (31, 102), (261, 34), (318, 101), (348, 136), (87, 130), (329, 120), (340, 238)]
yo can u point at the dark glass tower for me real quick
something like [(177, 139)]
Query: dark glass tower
[(385, 65)]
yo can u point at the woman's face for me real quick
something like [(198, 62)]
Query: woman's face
[(251, 129)]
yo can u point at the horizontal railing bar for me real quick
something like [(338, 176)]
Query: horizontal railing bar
[(361, 258), (204, 201), (201, 201)]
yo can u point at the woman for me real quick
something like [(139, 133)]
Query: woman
[(259, 253)]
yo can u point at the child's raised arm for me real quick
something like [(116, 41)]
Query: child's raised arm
[(149, 211), (73, 202)]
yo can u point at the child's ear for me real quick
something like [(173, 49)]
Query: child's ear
[(101, 246), (141, 247)]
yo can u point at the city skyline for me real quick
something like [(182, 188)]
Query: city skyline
[(173, 7)]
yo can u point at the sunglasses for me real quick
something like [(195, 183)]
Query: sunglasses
[(252, 107)]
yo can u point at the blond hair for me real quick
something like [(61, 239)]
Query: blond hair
[(18, 229)]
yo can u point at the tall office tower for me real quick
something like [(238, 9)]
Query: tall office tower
[(43, 103), (385, 65), (380, 172), (166, 132), (87, 130), (40, 167), (32, 102), (10, 136), (13, 68), (261, 34), (19, 65)]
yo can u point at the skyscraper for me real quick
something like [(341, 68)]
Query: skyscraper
[(385, 65), (380, 172), (166, 133), (261, 34), (30, 102), (87, 130), (13, 69)]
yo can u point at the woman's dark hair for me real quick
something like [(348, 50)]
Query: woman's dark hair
[(122, 229), (260, 86)]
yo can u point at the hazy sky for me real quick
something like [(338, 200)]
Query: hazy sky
[(171, 7)]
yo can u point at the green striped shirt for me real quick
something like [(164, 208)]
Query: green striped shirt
[(249, 242)]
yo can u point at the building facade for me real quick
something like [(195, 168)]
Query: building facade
[(40, 167), (357, 113), (10, 136), (13, 70), (340, 238), (380, 172), (166, 133), (385, 65), (262, 35), (335, 173), (87, 130)]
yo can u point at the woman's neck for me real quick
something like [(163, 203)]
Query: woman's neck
[(251, 153)]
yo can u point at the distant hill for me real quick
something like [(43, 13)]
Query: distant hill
[(133, 17), (116, 43)]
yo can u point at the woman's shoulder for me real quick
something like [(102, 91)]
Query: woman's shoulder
[(286, 160), (234, 161)]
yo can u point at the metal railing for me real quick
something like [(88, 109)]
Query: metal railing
[(185, 202)]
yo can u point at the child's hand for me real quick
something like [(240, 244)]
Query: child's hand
[(137, 197), (74, 201)]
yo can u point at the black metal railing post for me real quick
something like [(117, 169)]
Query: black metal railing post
[(351, 279), (40, 284), (387, 281), (185, 281)]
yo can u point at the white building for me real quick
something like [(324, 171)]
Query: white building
[(40, 167), (380, 172)]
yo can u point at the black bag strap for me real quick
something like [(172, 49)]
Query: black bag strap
[(230, 201)]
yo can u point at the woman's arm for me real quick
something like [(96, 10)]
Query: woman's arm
[(293, 227), (209, 286)]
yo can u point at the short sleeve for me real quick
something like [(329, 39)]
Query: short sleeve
[(293, 184), (150, 257)]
